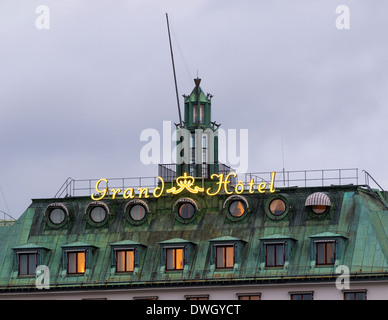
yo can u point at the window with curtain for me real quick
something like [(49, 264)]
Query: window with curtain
[(325, 253), (125, 260), (27, 264), (224, 257), (174, 259), (76, 262), (275, 255)]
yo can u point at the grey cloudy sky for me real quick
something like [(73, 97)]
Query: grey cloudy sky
[(75, 98)]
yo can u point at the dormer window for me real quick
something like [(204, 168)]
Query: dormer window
[(27, 264), (27, 257), (226, 253), (125, 260), (77, 258), (327, 249), (224, 256), (174, 258), (176, 254), (325, 252), (276, 251), (274, 254), (126, 256), (76, 262)]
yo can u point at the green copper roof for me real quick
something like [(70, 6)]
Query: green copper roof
[(356, 220), (197, 94)]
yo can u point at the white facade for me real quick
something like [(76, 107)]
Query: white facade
[(375, 290)]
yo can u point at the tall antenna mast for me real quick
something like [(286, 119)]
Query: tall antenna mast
[(173, 68)]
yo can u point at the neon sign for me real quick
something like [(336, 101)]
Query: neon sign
[(186, 182)]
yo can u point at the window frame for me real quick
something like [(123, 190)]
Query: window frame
[(225, 256), (249, 296), (354, 293), (197, 297), (325, 243), (126, 251), (68, 252), (175, 264), (302, 295), (192, 206), (28, 254), (275, 245)]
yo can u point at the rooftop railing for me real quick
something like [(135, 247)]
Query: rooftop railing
[(283, 179), (7, 219)]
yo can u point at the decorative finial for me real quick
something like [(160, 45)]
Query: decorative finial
[(197, 81)]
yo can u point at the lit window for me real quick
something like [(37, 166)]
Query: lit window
[(198, 113), (174, 259), (76, 262), (319, 209), (274, 255), (224, 257), (137, 212), (186, 210), (125, 260), (325, 252), (277, 207), (98, 214), (27, 264), (237, 208), (201, 113), (195, 113), (319, 202)]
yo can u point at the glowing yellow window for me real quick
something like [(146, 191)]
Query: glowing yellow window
[(76, 262), (224, 257), (174, 259), (125, 261)]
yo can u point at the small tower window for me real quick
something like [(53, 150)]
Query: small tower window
[(198, 113)]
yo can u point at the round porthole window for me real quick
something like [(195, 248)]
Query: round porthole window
[(137, 212), (319, 204), (236, 208), (186, 210), (98, 214), (57, 216), (277, 207)]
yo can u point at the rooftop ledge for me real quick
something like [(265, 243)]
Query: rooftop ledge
[(282, 179)]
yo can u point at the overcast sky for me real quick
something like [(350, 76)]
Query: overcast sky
[(75, 98)]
